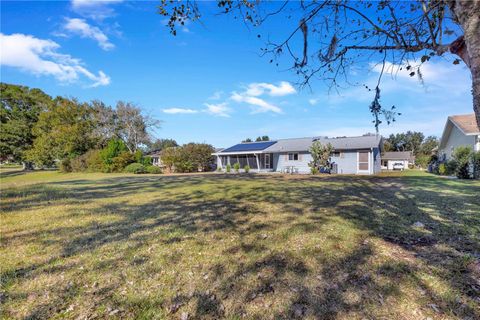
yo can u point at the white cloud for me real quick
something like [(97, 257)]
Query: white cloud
[(220, 109), (259, 104), (84, 30), (40, 57), (94, 9), (436, 76), (216, 95), (258, 89), (179, 110), (86, 3), (313, 101), (253, 92)]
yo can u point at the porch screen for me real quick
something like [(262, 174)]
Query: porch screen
[(243, 160)]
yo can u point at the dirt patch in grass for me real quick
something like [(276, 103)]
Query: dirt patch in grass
[(398, 246)]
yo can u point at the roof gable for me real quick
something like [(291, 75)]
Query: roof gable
[(467, 123)]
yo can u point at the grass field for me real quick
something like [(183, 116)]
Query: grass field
[(239, 246)]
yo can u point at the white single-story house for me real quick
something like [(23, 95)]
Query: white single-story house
[(389, 158), (460, 130), (156, 160), (351, 155)]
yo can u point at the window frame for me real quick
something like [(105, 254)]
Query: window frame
[(293, 156)]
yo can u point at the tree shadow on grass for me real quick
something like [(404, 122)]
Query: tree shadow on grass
[(386, 208)]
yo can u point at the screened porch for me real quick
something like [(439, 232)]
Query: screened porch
[(258, 162)]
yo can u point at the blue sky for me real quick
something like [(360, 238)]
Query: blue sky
[(209, 83)]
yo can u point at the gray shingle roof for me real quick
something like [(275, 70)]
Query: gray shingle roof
[(304, 144), (397, 155)]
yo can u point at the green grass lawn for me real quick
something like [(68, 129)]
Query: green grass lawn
[(239, 246)]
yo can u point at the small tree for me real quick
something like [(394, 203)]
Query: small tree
[(169, 157), (320, 156)]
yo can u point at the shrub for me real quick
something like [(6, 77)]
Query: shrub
[(147, 161), (476, 164), (94, 161), (247, 168), (153, 169), (422, 160), (462, 156), (135, 168), (450, 167), (65, 165), (236, 167), (113, 149), (228, 168), (122, 161), (79, 163), (314, 170), (184, 165), (442, 169)]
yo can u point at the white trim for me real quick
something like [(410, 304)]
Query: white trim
[(235, 153), (269, 161), (369, 162)]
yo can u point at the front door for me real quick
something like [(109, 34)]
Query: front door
[(267, 161), (363, 162)]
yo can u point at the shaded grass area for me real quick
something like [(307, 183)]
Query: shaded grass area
[(239, 246)]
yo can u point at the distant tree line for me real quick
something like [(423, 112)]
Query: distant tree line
[(262, 138), (423, 148), (38, 130)]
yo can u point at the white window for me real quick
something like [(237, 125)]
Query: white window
[(293, 156)]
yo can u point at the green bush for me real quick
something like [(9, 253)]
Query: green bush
[(314, 170), (113, 149), (476, 164), (236, 167), (247, 168), (184, 165), (442, 169), (228, 168), (89, 161), (122, 161), (462, 157), (79, 164), (153, 169), (135, 168), (422, 160), (450, 167), (147, 161), (65, 165)]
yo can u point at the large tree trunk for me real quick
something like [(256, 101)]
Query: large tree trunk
[(467, 13)]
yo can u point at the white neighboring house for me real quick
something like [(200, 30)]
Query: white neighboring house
[(156, 160), (460, 130), (390, 158)]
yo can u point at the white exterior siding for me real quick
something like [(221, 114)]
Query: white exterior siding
[(280, 161), (346, 162), (455, 139)]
